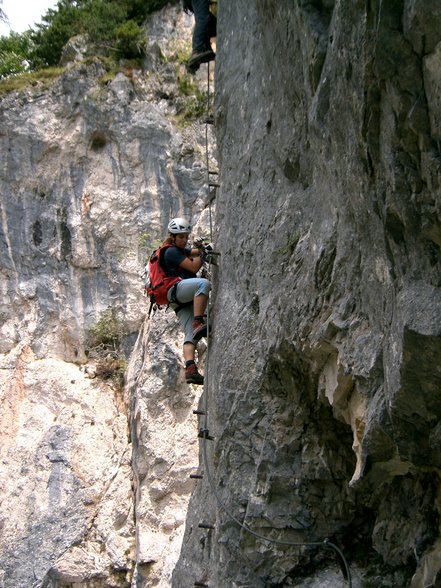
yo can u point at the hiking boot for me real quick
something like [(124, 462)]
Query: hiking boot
[(199, 329), (192, 376), (198, 57)]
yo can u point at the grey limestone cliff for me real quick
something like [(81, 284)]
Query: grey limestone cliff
[(323, 382), (92, 166), (324, 374)]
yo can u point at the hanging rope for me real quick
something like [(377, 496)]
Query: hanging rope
[(204, 433)]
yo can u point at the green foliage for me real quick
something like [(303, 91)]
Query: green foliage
[(108, 330), (195, 104), (194, 109), (104, 347), (146, 240), (107, 22), (186, 86), (53, 33), (95, 18), (14, 52), (113, 25), (130, 39)]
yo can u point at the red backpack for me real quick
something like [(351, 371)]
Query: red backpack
[(157, 283)]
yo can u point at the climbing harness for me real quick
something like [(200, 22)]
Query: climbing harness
[(204, 430)]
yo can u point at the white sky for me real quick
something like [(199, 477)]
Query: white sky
[(23, 14)]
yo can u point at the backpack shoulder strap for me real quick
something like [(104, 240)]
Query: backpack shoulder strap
[(161, 252)]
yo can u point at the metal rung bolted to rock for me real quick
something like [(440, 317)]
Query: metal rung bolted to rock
[(205, 526), (204, 434)]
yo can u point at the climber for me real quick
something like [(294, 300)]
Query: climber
[(189, 297), (204, 30)]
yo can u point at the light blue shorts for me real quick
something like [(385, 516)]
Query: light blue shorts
[(186, 290)]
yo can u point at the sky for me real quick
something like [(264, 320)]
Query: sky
[(23, 14)]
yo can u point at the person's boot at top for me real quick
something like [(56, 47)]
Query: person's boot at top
[(204, 30)]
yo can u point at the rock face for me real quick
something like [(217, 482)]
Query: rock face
[(92, 168), (323, 373), (66, 477), (165, 448)]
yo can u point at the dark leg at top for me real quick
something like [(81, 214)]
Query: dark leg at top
[(204, 29)]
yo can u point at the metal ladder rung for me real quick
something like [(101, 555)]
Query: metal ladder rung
[(205, 526), (204, 434)]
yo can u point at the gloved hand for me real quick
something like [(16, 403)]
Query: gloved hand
[(198, 243)]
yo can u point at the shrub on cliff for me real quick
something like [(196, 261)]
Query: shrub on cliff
[(108, 330), (129, 39), (113, 24), (104, 347)]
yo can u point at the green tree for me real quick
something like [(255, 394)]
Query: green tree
[(56, 28), (111, 24), (130, 39), (14, 53), (104, 21)]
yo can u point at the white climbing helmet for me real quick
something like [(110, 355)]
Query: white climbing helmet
[(179, 225)]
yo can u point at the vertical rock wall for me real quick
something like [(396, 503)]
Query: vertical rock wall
[(92, 168), (66, 478), (324, 380), (165, 448)]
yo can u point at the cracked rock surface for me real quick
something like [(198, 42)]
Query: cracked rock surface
[(324, 379), (90, 173)]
